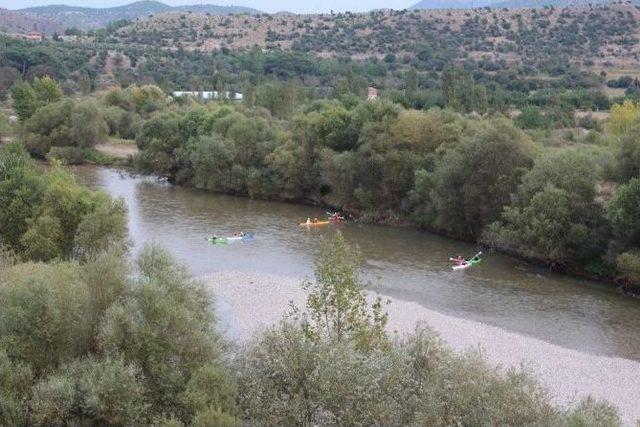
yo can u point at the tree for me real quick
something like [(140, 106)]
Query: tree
[(25, 101), (624, 214), (554, 217), (337, 307), (165, 327), (47, 90), (474, 180), (622, 117), (629, 153)]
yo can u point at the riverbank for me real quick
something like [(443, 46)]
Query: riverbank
[(250, 302)]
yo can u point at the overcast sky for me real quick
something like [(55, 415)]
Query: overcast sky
[(300, 6)]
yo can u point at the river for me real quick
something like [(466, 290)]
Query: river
[(406, 264)]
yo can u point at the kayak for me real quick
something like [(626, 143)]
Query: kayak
[(237, 238), (314, 224), (217, 240), (470, 263), (466, 265), (226, 240)]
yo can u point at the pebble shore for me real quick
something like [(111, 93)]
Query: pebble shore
[(249, 302)]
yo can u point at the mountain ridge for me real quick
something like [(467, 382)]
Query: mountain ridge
[(508, 4), (89, 18)]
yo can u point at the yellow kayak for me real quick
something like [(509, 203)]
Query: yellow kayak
[(314, 224)]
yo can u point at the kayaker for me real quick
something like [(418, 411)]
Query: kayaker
[(242, 234), (315, 220), (459, 260), (308, 220)]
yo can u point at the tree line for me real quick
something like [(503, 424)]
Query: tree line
[(568, 200)]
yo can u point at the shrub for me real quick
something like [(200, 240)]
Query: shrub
[(52, 401), (628, 264), (474, 180), (66, 155)]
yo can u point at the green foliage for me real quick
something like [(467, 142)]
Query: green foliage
[(337, 308), (52, 401), (592, 413), (210, 386), (474, 180), (624, 213), (461, 93), (66, 155), (64, 124), (288, 379), (46, 215), (15, 382), (28, 98), (213, 417), (629, 154), (44, 314), (554, 217), (165, 328), (628, 264)]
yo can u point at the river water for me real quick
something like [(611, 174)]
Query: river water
[(407, 264)]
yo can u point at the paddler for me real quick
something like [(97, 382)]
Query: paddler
[(308, 220), (459, 260)]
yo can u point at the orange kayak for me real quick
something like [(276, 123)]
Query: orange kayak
[(314, 224)]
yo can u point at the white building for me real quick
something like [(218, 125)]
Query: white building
[(209, 95)]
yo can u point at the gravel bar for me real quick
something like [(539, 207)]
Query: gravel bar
[(249, 302)]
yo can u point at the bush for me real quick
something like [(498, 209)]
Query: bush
[(165, 327), (213, 417), (15, 383), (628, 264), (45, 215), (286, 378), (474, 180), (64, 124), (554, 217), (52, 401), (109, 391), (624, 213), (66, 155), (44, 314)]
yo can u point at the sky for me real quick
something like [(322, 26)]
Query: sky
[(298, 6)]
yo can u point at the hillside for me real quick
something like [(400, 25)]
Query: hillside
[(603, 36), (510, 4), (17, 22), (92, 18), (451, 4)]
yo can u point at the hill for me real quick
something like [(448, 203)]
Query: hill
[(451, 4), (509, 4), (17, 22), (92, 18), (549, 38)]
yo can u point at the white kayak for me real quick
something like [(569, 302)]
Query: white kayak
[(236, 238)]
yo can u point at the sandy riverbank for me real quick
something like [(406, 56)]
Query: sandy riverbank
[(253, 301)]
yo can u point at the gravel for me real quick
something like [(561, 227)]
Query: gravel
[(249, 302)]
